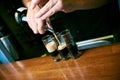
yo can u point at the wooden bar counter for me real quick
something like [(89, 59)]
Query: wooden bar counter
[(101, 63)]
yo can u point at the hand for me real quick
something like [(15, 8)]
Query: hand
[(50, 7), (33, 22), (36, 16)]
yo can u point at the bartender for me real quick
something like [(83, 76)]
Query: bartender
[(85, 18)]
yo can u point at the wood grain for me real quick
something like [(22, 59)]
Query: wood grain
[(102, 63)]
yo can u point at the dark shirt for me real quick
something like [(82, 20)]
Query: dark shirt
[(92, 23)]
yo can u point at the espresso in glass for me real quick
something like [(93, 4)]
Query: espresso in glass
[(73, 51), (62, 48), (70, 43), (51, 46)]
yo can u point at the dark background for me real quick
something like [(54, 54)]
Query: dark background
[(28, 44)]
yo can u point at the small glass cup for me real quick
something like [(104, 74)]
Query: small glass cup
[(51, 46), (70, 43), (62, 48)]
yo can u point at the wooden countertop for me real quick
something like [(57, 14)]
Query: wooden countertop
[(102, 63)]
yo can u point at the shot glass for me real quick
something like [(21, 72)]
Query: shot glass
[(62, 48), (51, 45), (70, 43)]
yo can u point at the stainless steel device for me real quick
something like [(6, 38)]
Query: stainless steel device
[(96, 42)]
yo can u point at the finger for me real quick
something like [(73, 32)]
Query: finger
[(34, 3), (48, 14), (40, 26), (32, 26), (34, 29), (51, 12), (45, 9)]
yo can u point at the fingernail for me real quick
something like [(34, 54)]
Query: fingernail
[(35, 32)]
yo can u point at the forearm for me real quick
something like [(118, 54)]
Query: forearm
[(78, 4), (86, 4)]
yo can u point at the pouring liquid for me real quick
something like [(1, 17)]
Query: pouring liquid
[(49, 27), (51, 30)]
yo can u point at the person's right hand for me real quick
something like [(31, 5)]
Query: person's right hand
[(36, 17), (32, 21)]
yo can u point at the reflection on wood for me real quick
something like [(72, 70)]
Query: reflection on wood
[(102, 63)]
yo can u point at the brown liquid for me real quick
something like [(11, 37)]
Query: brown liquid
[(73, 51), (52, 48), (63, 51), (56, 37), (51, 29)]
